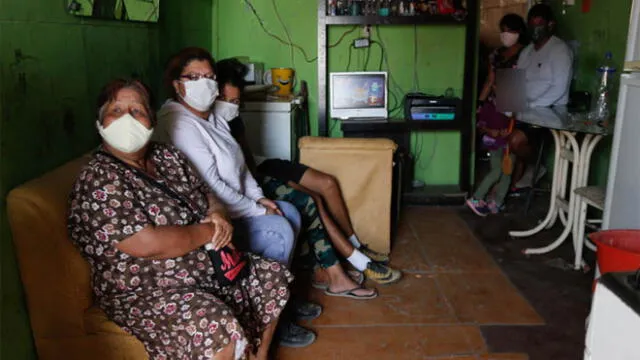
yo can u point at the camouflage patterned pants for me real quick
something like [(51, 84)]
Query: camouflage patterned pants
[(312, 229)]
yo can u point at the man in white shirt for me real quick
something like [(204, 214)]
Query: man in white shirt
[(547, 63)]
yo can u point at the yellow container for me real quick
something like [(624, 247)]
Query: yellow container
[(283, 79)]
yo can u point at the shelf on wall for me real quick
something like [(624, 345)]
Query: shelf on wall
[(393, 20), (470, 24)]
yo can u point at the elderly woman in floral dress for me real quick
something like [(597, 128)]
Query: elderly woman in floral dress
[(141, 215)]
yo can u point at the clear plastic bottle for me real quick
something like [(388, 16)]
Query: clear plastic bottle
[(412, 7), (601, 101), (402, 7)]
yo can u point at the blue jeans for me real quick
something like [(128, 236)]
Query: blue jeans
[(270, 236)]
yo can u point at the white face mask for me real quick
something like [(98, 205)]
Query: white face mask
[(226, 110), (125, 134), (508, 39), (200, 94)]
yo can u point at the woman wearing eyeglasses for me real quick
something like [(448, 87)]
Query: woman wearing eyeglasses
[(187, 121)]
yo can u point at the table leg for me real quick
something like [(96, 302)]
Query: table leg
[(574, 157), (559, 175), (562, 193), (551, 213)]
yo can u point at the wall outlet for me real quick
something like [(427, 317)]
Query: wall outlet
[(361, 43)]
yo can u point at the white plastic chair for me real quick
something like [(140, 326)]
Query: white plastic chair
[(585, 196)]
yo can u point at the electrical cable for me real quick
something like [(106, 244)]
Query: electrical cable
[(419, 142), (381, 53), (395, 105), (386, 61), (296, 46), (264, 28), (432, 155), (416, 84), (366, 59), (286, 31), (342, 37), (416, 148), (349, 58)]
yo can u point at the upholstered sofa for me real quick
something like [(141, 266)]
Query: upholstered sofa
[(56, 279)]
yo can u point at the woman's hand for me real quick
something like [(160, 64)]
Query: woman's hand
[(222, 229), (272, 207)]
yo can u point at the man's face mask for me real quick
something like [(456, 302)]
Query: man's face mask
[(539, 31)]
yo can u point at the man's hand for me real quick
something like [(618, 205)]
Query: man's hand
[(272, 207), (222, 229)]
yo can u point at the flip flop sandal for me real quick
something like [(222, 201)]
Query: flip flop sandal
[(355, 275), (351, 294)]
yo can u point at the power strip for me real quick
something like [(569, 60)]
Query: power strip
[(361, 43)]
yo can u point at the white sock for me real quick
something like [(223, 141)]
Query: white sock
[(353, 239), (359, 260)]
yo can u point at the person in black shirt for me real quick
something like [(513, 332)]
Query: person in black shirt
[(300, 185)]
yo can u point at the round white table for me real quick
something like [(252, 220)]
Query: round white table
[(565, 128)]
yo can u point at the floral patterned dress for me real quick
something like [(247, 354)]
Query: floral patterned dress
[(175, 306)]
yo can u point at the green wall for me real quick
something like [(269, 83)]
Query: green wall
[(440, 63), (52, 66), (602, 29)]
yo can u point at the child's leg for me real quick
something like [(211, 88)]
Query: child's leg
[(492, 177), (504, 183)]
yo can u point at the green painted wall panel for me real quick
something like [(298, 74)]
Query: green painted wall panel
[(440, 62), (52, 66)]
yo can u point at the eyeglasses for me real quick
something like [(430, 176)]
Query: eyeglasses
[(195, 77)]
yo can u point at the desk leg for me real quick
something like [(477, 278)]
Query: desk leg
[(551, 214), (588, 145), (567, 156), (558, 175)]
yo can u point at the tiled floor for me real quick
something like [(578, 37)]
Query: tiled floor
[(451, 288)]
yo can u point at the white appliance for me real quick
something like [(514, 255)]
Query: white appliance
[(622, 205), (254, 73), (622, 201), (613, 324), (270, 128)]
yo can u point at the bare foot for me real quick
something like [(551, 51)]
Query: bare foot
[(348, 284), (321, 276), (339, 281)]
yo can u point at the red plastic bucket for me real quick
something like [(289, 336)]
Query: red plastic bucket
[(618, 250)]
